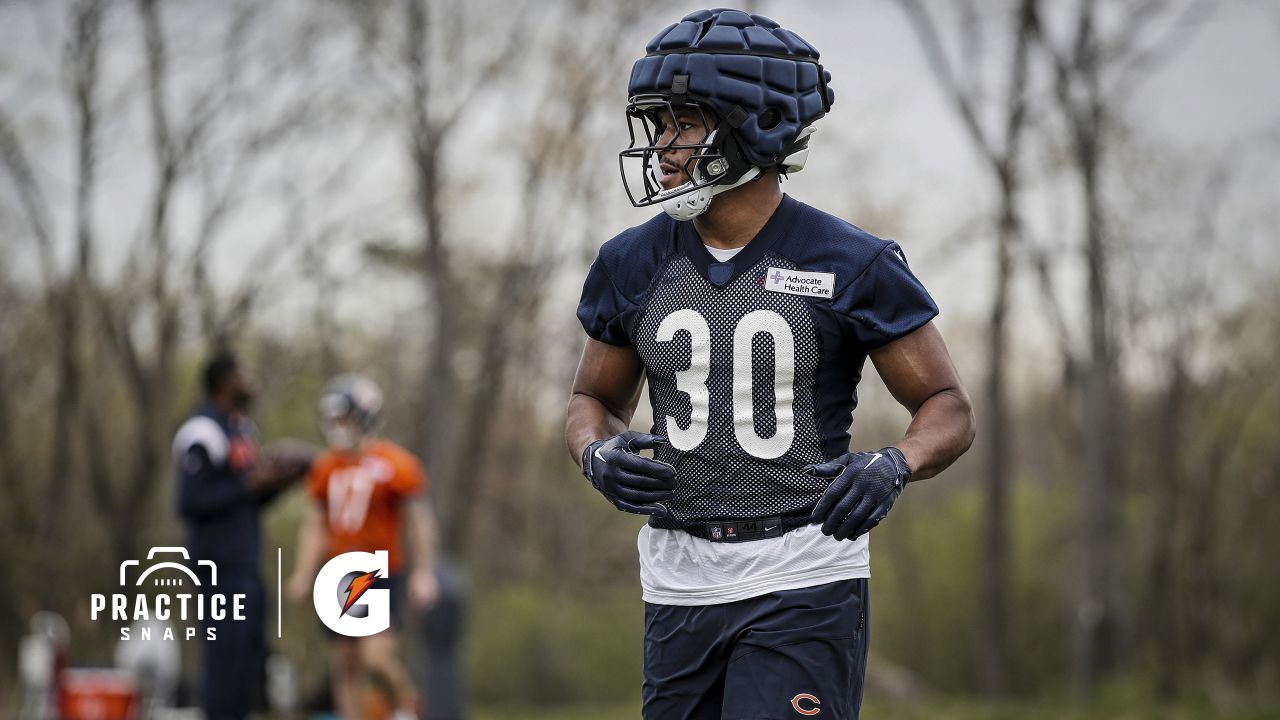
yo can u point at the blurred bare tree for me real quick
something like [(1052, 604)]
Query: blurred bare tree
[(1180, 317), (1096, 62), (413, 188), (1092, 66), (999, 147), (128, 323), (436, 72)]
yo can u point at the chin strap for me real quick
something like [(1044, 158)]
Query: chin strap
[(692, 204)]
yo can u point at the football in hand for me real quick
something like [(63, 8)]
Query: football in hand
[(285, 461)]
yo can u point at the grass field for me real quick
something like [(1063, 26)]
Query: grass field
[(932, 711)]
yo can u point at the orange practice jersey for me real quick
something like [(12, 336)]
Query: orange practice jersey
[(361, 492)]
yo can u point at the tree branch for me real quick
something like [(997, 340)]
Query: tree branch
[(34, 205), (935, 53)]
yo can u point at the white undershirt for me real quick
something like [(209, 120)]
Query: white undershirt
[(677, 568), (722, 255)]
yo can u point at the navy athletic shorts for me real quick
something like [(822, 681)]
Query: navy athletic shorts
[(789, 654)]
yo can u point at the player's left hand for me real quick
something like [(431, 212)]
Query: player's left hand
[(862, 491), (423, 589)]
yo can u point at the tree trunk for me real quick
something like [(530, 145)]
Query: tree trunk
[(1096, 622), (993, 667), (438, 385), (1166, 599), (66, 401)]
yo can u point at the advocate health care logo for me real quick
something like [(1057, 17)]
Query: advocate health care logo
[(344, 595)]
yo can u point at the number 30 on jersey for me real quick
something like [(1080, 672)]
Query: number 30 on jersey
[(693, 382)]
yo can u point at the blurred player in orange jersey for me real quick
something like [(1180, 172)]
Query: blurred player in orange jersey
[(367, 492)]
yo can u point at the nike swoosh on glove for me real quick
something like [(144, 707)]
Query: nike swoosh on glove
[(633, 483), (862, 491)]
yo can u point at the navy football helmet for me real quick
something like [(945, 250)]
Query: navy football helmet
[(757, 89)]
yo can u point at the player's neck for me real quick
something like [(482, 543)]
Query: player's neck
[(736, 216), (361, 447)]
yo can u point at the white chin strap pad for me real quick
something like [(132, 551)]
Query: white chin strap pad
[(690, 205)]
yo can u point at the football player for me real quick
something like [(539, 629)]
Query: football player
[(751, 315), (364, 489)]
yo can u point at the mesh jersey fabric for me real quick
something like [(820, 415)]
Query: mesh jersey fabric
[(750, 384), (718, 478)]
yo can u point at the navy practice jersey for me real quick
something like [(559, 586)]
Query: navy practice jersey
[(214, 455), (753, 363)]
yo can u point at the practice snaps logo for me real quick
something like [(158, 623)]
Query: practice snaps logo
[(179, 594), (345, 597)]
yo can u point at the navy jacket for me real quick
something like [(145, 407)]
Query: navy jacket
[(214, 455)]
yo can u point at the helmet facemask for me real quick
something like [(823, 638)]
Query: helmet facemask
[(339, 424), (713, 165), (350, 410)]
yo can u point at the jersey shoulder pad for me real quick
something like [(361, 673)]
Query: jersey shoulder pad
[(324, 462), (393, 452), (411, 476), (205, 432), (622, 273), (317, 482), (822, 240), (632, 256), (873, 287)]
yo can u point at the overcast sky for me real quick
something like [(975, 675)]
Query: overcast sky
[(890, 152)]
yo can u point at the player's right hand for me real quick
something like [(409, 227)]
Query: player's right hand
[(862, 491), (633, 483)]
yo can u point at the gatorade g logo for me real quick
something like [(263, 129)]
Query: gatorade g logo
[(344, 597), (806, 704)]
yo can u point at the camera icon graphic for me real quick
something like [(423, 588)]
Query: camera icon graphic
[(181, 568)]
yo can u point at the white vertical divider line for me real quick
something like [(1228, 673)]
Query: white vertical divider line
[(279, 597)]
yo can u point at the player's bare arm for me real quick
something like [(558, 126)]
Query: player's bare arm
[(606, 389), (918, 371), (423, 536), (313, 538), (605, 392)]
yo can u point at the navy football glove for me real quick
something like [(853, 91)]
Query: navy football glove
[(862, 491), (631, 482)]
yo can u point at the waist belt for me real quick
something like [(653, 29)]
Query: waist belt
[(745, 529)]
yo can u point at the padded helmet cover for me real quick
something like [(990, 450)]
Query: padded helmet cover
[(739, 63)]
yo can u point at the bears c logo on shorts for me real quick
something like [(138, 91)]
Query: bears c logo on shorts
[(806, 704)]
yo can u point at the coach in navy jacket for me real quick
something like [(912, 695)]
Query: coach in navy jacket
[(221, 490)]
